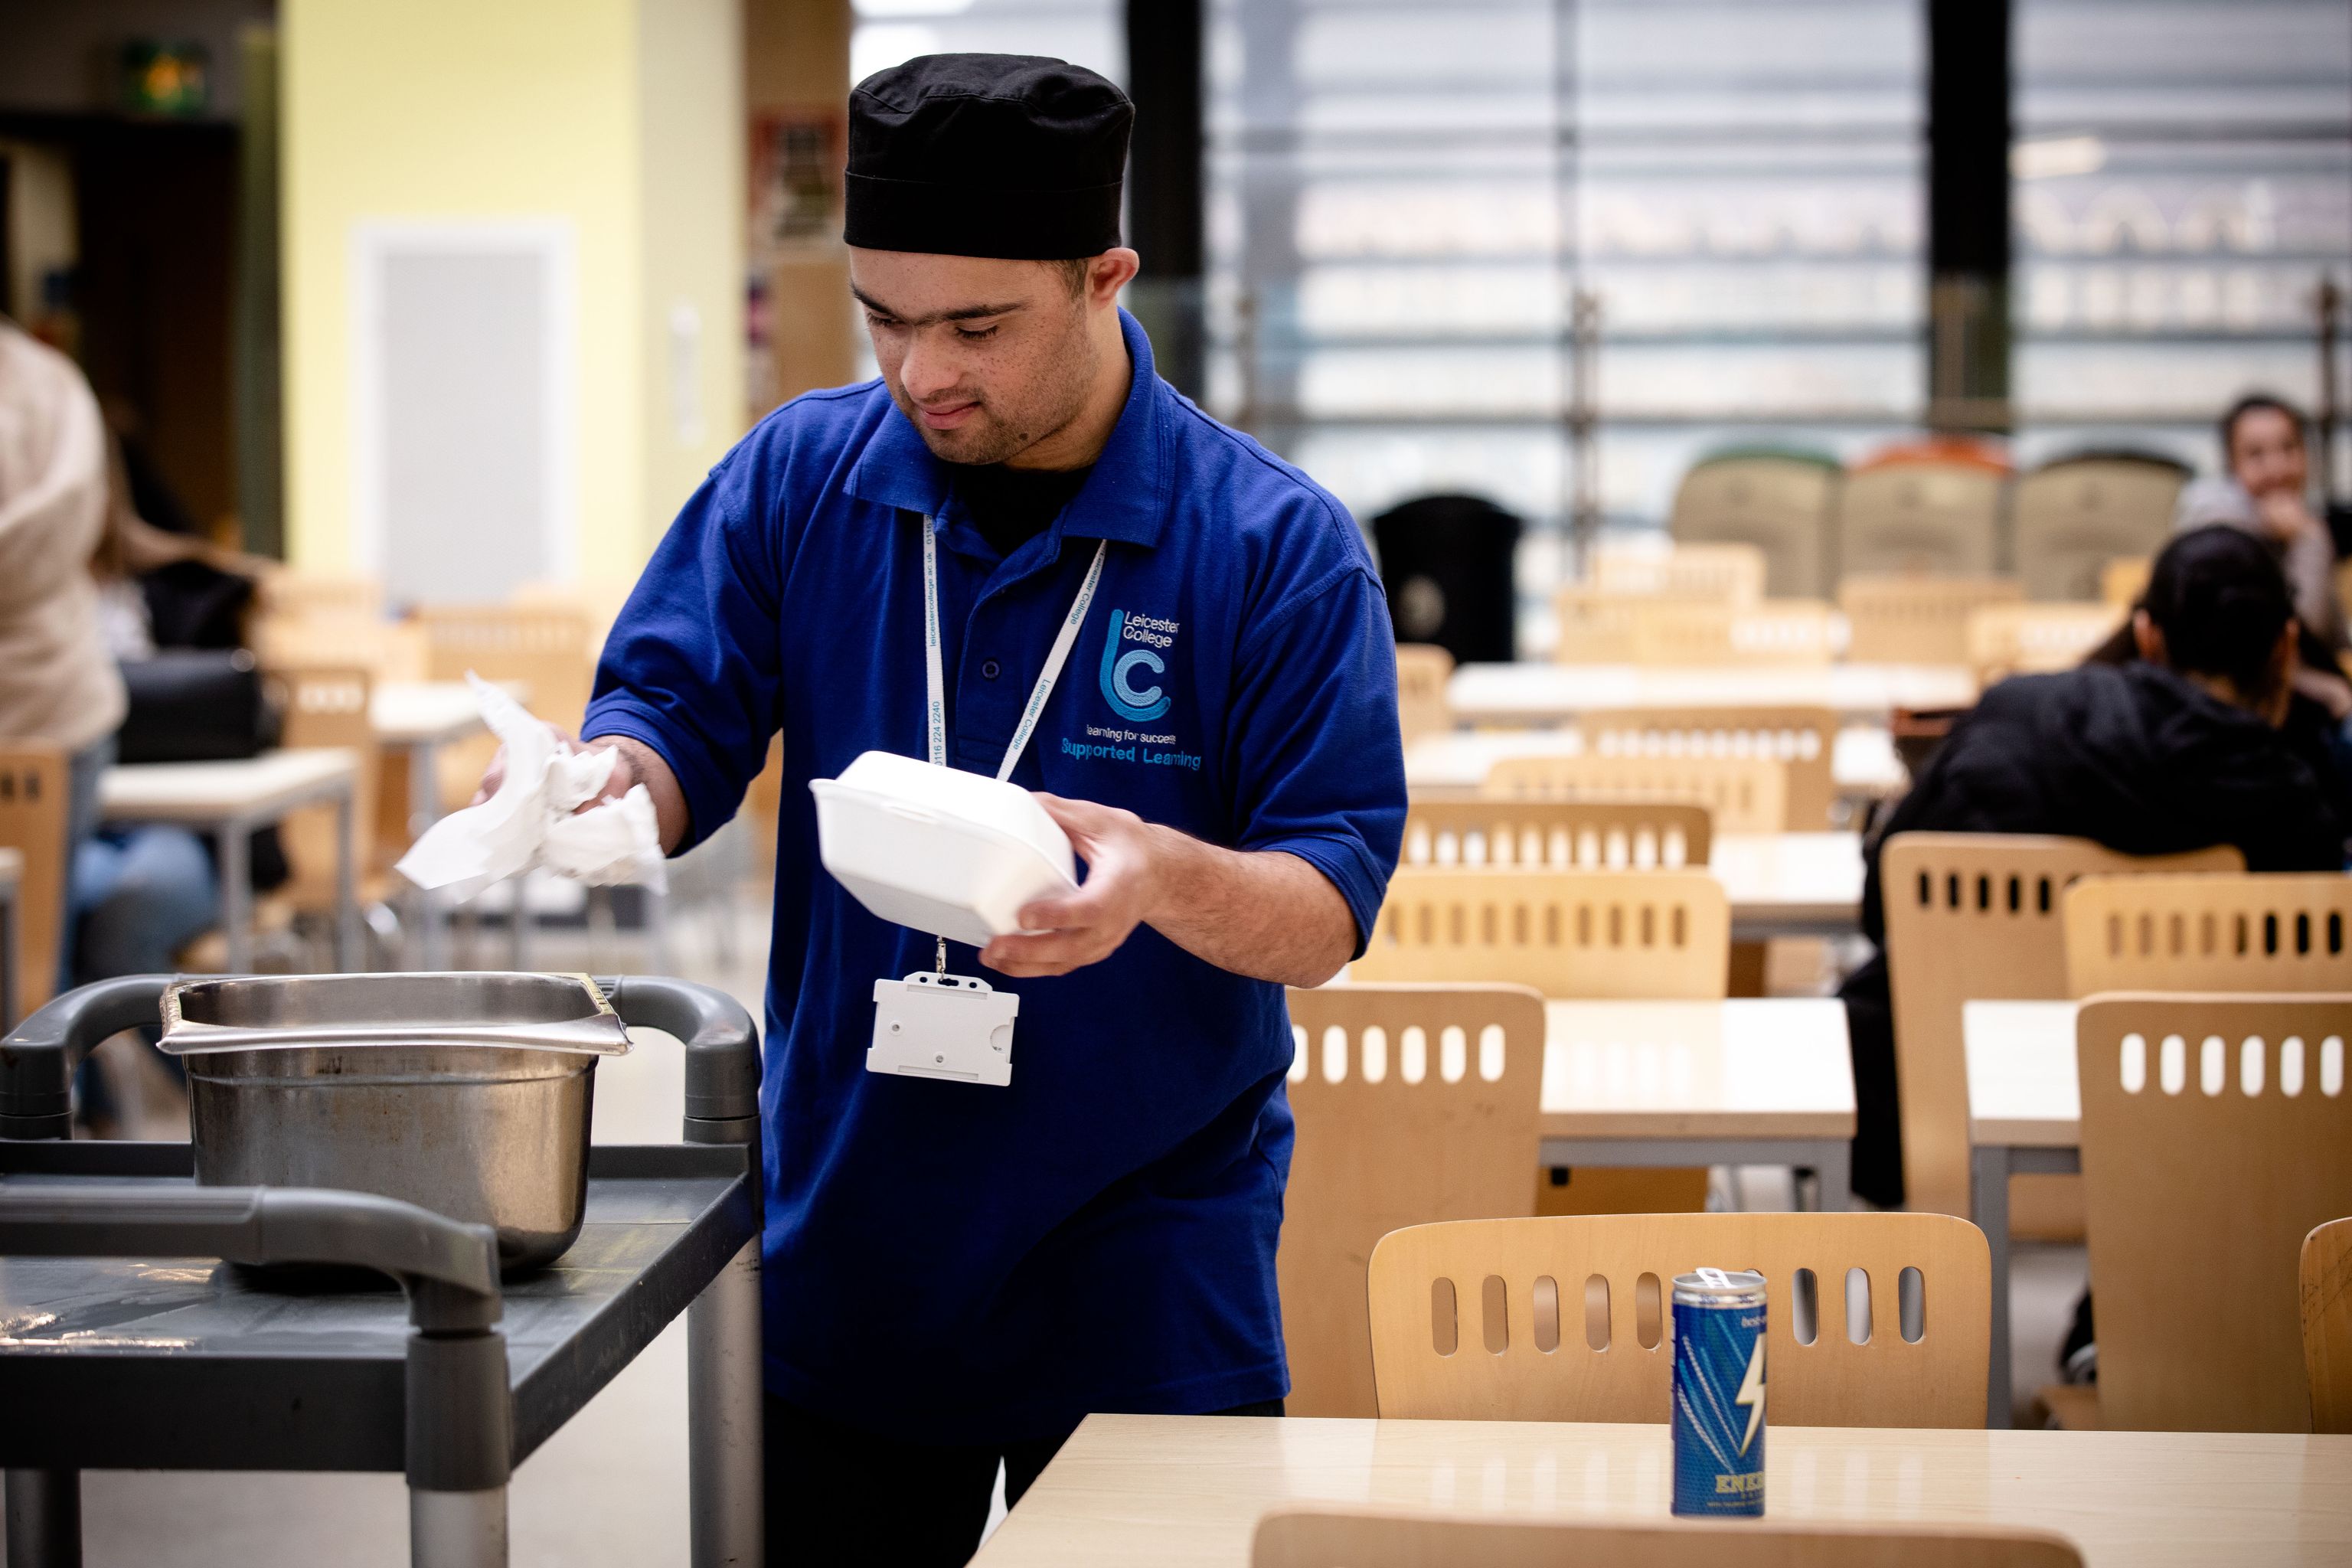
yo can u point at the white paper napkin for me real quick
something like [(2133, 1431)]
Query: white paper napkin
[(533, 820)]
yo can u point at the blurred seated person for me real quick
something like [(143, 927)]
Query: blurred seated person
[(2265, 442), (57, 683), (2177, 748)]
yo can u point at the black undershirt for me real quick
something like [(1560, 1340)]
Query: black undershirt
[(1012, 506)]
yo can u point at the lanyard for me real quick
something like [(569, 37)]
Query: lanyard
[(935, 717), (935, 682)]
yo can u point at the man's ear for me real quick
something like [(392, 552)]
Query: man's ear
[(1111, 272), (2147, 637)]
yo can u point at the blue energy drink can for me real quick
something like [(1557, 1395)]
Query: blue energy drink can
[(1718, 1414)]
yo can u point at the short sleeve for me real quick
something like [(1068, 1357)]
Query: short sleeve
[(692, 665), (1313, 743)]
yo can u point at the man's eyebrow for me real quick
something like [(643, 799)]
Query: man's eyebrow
[(965, 313)]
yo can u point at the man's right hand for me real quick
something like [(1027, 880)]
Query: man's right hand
[(634, 763), (496, 773)]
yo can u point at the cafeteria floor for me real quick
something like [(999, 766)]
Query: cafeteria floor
[(611, 1486)]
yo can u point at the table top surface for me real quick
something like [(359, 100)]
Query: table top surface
[(2022, 1089), (1187, 1491), (1537, 691), (1813, 876), (423, 713), (207, 791), (1862, 762), (1748, 1068), (136, 1347)]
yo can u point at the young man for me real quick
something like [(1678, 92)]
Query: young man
[(2177, 749), (955, 1275), (2266, 494)]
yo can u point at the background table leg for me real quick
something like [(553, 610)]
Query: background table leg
[(724, 1414), (44, 1508), (1988, 1201), (457, 1530), (237, 893), (1835, 1168), (347, 907)]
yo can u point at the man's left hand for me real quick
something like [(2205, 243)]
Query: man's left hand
[(1089, 926)]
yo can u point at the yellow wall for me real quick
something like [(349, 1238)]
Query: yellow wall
[(692, 138), (569, 110)]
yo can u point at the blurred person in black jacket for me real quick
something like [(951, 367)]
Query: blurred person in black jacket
[(2175, 748)]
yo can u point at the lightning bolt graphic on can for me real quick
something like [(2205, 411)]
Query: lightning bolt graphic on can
[(1751, 1394)]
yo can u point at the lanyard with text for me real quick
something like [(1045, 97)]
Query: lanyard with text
[(952, 1026)]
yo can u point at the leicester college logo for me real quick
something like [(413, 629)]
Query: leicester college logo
[(1119, 668)]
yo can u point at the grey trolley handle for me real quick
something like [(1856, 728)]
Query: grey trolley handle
[(459, 1441), (39, 1058)]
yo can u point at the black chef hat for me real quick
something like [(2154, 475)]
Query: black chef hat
[(1003, 155)]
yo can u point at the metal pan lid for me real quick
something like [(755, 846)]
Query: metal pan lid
[(266, 1012)]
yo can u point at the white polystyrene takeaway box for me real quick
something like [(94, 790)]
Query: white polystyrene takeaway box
[(944, 851)]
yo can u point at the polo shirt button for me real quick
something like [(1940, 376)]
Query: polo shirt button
[(988, 670)]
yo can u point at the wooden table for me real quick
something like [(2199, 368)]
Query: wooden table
[(1751, 1081), (1789, 884), (1533, 693), (12, 872), (1175, 1491), (420, 717), (1863, 764), (232, 800), (2025, 1114)]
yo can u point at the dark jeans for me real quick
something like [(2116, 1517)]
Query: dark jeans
[(839, 1497)]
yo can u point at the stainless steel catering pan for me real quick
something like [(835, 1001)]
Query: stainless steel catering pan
[(468, 1094)]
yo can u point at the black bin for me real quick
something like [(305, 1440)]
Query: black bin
[(1447, 562)]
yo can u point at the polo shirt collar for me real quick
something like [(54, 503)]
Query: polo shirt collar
[(1124, 499)]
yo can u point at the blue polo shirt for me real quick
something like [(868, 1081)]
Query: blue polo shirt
[(981, 1264)]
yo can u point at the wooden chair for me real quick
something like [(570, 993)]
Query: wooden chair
[(1596, 626), (2216, 1135), (2124, 580), (546, 650), (1917, 620), (2034, 639), (2327, 1288), (1334, 1538), (1422, 670), (1414, 1103), (1775, 631), (1921, 516), (1980, 917), (34, 800), (293, 592), (600, 599), (1568, 934), (318, 708), (2230, 933), (1556, 835), (2071, 517), (1741, 795), (1778, 504), (1564, 1319), (1731, 573), (1802, 740)]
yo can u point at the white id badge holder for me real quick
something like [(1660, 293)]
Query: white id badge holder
[(935, 1025)]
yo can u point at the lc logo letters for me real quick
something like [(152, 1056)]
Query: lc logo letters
[(1123, 654)]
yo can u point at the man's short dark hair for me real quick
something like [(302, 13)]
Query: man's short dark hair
[(1074, 273), (2221, 604), (2254, 403)]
